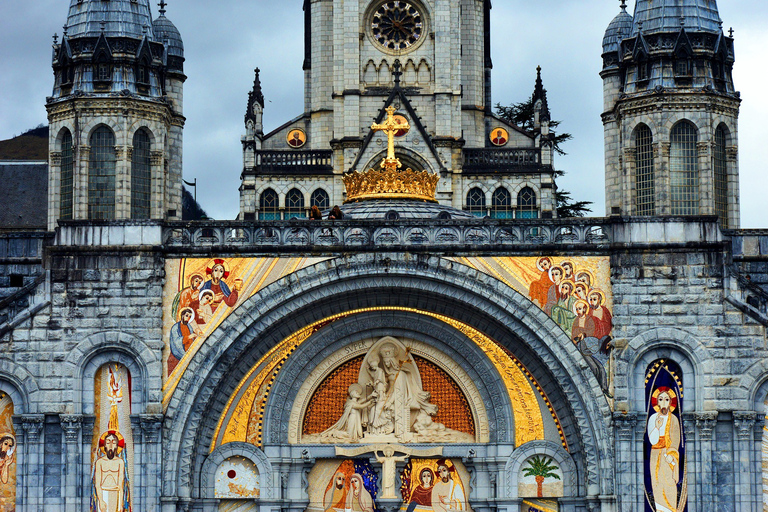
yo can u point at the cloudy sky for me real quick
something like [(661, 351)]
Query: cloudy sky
[(226, 39)]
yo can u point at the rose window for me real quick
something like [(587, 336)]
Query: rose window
[(397, 25)]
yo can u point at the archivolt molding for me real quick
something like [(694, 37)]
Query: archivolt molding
[(89, 355), (318, 375), (455, 282), (550, 449), (248, 451), (669, 343), (19, 384)]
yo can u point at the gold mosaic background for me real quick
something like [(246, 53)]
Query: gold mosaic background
[(327, 403)]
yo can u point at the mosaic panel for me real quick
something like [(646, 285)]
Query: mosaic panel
[(434, 485), (237, 477), (7, 455)]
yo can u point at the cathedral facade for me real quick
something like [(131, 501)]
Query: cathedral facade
[(440, 341)]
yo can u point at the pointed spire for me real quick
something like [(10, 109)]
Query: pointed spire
[(254, 97), (540, 93), (162, 5)]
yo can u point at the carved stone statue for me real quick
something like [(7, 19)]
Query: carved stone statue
[(388, 404)]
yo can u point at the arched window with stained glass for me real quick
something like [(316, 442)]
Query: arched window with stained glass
[(526, 204), (684, 169), (645, 176), (294, 204), (269, 207), (501, 204), (720, 164), (320, 199), (141, 175), (101, 175), (476, 202), (66, 189)]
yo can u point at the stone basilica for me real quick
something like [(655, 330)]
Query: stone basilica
[(441, 341)]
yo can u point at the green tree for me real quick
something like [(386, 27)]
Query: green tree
[(522, 114), (541, 468)]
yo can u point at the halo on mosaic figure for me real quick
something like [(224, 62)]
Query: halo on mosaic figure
[(579, 273), (566, 283), (120, 440), (204, 293), (670, 393), (595, 291), (217, 262), (541, 260), (580, 302), (181, 313), (555, 267)]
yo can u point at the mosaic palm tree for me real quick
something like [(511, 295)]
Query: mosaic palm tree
[(541, 468)]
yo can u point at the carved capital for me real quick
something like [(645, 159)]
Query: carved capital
[(71, 424), (120, 152), (55, 158), (732, 153), (32, 424), (630, 155), (156, 158), (625, 424), (85, 151), (744, 423), (706, 422), (665, 148), (150, 427)]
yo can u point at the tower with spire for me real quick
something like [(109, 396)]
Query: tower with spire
[(670, 112), (115, 114)]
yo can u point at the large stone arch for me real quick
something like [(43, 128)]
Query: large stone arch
[(428, 282), (84, 360), (20, 385)]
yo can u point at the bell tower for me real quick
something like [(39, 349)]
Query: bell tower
[(670, 112), (115, 114)]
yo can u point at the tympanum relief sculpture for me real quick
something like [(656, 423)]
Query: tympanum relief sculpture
[(388, 404)]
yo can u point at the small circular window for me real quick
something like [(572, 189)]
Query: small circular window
[(397, 26)]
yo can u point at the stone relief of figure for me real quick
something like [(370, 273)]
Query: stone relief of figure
[(388, 403)]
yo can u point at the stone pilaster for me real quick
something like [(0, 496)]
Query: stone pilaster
[(625, 426), (745, 466), (71, 425), (152, 469), (32, 475), (80, 184), (663, 180), (705, 426)]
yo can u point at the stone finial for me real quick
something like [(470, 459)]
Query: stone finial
[(65, 28), (162, 5), (623, 5), (730, 32), (55, 39)]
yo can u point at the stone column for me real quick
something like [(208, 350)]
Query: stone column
[(80, 184), (663, 180), (629, 190), (639, 461), (123, 182), (32, 499), (150, 427), (157, 197), (626, 478), (746, 493), (706, 179), (72, 424), (705, 425), (54, 189), (86, 478)]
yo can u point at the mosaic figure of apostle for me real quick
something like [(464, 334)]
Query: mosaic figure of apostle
[(664, 436)]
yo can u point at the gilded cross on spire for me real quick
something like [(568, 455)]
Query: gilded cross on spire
[(390, 127)]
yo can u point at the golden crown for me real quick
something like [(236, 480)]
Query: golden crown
[(390, 183)]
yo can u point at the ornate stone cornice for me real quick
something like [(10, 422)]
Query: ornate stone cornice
[(71, 424)]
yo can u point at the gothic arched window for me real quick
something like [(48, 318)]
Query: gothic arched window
[(141, 175), (476, 202), (501, 204), (101, 175), (721, 174), (684, 169), (294, 204), (526, 204), (320, 199), (269, 208), (67, 176), (645, 178)]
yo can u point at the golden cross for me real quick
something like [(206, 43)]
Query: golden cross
[(390, 127)]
